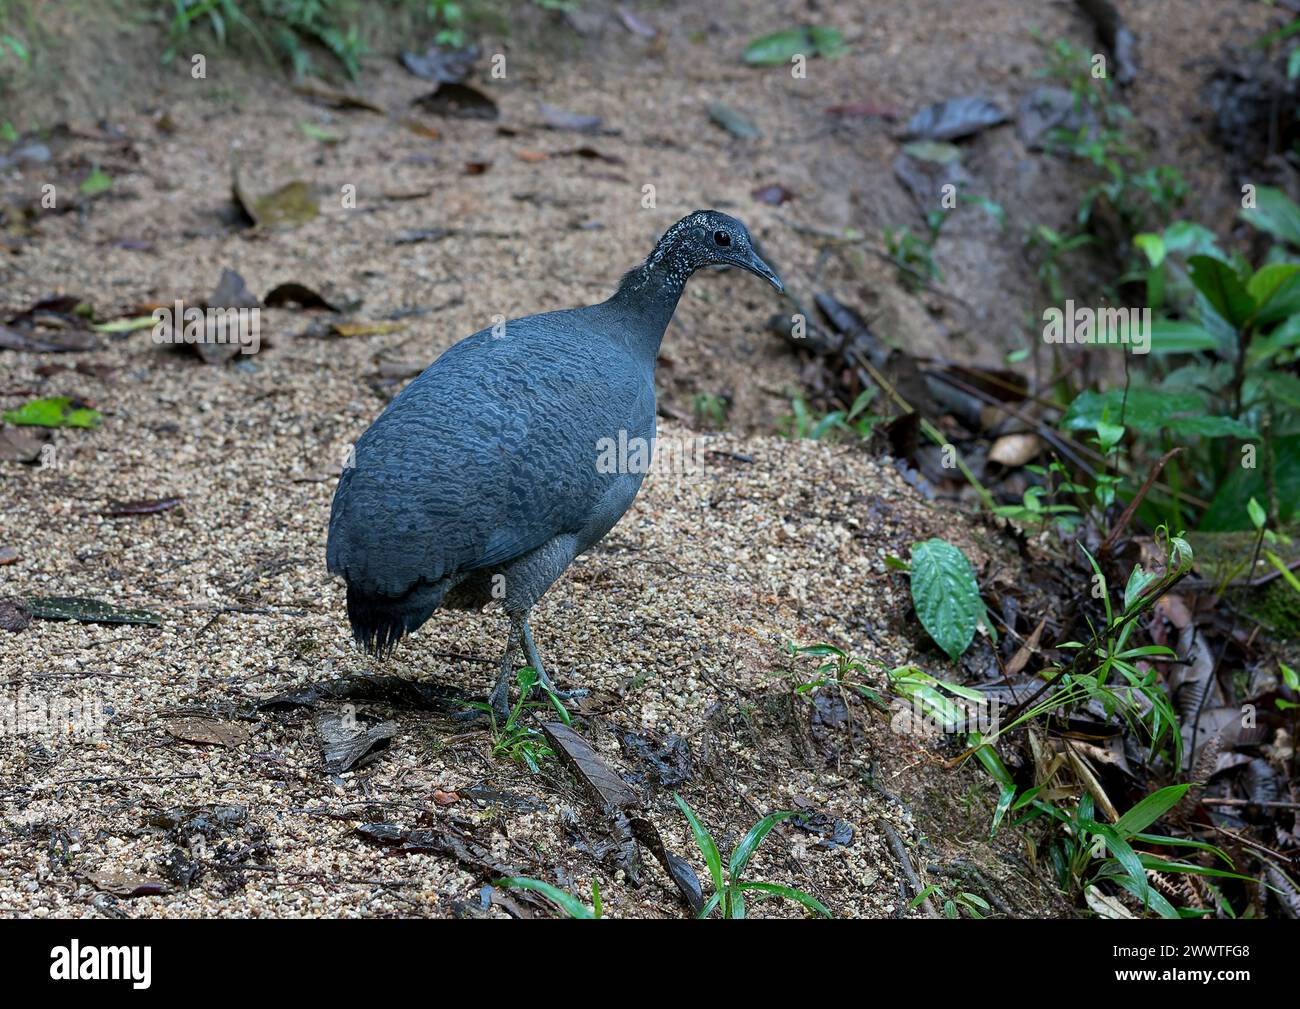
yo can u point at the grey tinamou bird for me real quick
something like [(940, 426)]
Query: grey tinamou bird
[(482, 480)]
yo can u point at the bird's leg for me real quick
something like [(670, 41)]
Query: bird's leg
[(535, 660), (499, 699), (500, 696)]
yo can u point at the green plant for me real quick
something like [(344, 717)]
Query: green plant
[(522, 743), (1087, 851), (1052, 247), (565, 901), (913, 254), (283, 28), (854, 422), (1105, 668), (1222, 384), (1125, 194), (1104, 138), (449, 17), (729, 889), (710, 410), (1041, 504), (946, 595), (973, 904), (840, 670)]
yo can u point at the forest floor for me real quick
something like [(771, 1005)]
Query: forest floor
[(678, 621)]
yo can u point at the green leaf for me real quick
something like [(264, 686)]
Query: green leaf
[(783, 46), (1282, 569), (745, 849), (827, 42), (1258, 517), (945, 594), (1267, 279), (1169, 336), (1163, 865), (1190, 238), (1153, 246), (704, 841), (1138, 580), (1150, 809), (320, 133), (1152, 898), (1222, 288), (1276, 213), (776, 890), (566, 901), (1148, 411), (1213, 427), (1124, 854), (57, 411), (1278, 297), (125, 325), (95, 183)]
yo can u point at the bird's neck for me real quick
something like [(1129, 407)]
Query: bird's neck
[(650, 292)]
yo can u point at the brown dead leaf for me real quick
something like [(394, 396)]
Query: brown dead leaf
[(1015, 450), (290, 206), (527, 154), (208, 731), (146, 506), (125, 884), (47, 341), (13, 615), (19, 445), (458, 101), (1021, 658), (422, 129), (773, 195), (366, 328), (321, 92)]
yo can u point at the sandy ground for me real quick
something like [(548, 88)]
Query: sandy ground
[(677, 622)]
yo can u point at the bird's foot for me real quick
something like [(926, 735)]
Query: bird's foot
[(496, 710), (540, 693)]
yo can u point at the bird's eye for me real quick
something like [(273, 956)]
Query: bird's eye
[(721, 238)]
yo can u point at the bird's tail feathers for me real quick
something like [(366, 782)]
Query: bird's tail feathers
[(379, 621)]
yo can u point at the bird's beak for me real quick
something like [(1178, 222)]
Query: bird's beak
[(759, 268)]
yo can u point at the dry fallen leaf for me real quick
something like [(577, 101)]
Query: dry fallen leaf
[(125, 884), (209, 731), (366, 328), (1014, 450), (13, 616), (19, 445)]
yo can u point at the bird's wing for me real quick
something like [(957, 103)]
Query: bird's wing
[(488, 454)]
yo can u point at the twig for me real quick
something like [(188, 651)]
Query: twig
[(1250, 802), (1127, 514), (900, 853)]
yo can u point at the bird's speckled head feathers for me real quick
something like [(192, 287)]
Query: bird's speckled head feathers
[(704, 238)]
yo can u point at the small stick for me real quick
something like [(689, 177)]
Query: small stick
[(900, 853)]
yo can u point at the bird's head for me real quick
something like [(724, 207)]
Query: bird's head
[(710, 238)]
